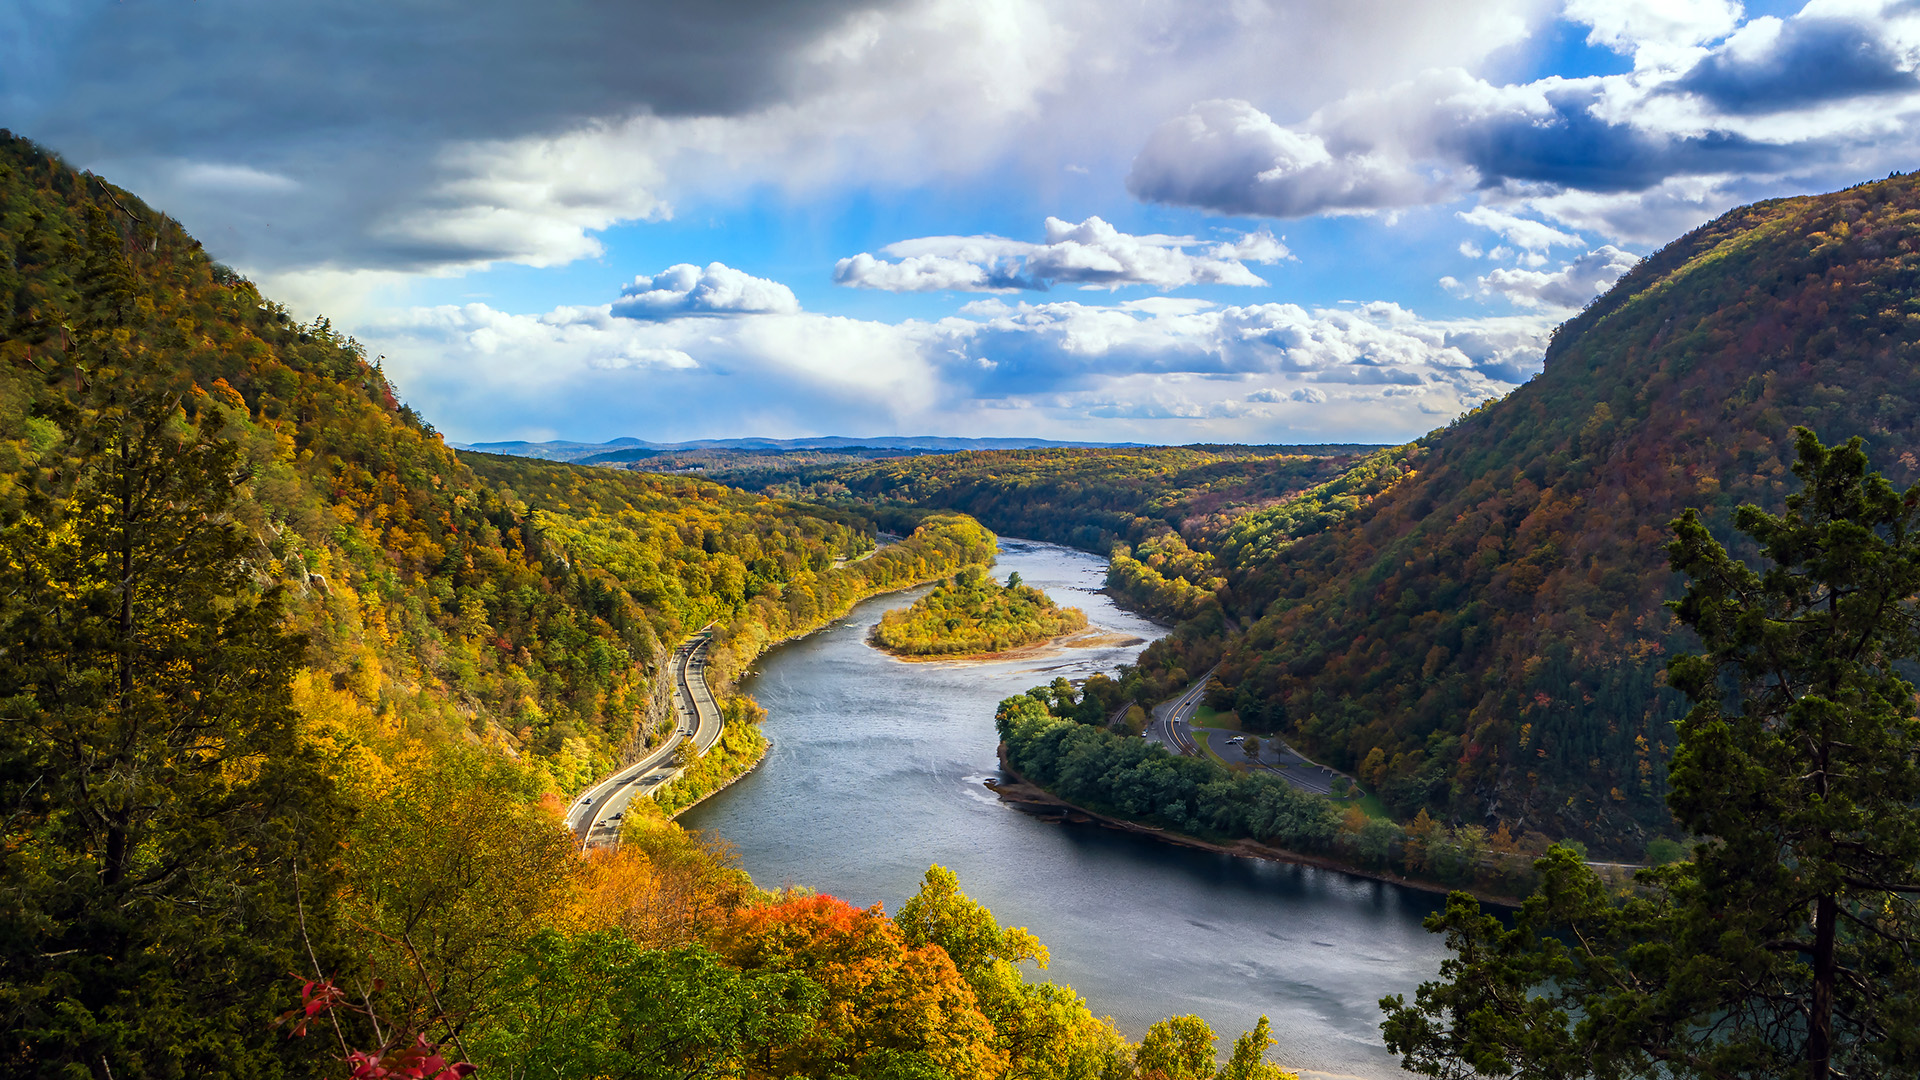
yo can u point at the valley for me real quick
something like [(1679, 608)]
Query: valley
[(291, 685)]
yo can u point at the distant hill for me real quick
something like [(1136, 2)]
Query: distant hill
[(631, 449)]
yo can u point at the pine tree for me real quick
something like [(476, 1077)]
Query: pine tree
[(168, 841)]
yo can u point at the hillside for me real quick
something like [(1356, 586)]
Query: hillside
[(287, 687), (1161, 511), (1487, 637)]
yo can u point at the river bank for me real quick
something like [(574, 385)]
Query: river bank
[(1093, 637), (878, 769), (1027, 795)]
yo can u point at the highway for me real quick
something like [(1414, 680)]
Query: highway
[(595, 817), (1172, 728), (1172, 719)]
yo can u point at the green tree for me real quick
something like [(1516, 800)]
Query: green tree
[(1248, 1061), (169, 840), (600, 1005), (1177, 1048), (1787, 944)]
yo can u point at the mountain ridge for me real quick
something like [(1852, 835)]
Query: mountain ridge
[(563, 450)]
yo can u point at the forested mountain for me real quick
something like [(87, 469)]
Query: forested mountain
[(1488, 636), (632, 449), (1474, 623), (287, 687)]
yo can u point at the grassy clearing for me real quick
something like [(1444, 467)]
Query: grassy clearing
[(1229, 720)]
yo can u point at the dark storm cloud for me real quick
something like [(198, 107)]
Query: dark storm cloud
[(222, 73), (1229, 157), (344, 109), (1814, 60), (1573, 148)]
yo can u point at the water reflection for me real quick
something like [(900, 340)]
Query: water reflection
[(876, 771)]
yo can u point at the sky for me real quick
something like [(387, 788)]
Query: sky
[(1285, 221)]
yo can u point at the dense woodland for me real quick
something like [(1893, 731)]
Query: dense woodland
[(1473, 623), (289, 687), (1061, 739), (971, 613), (1092, 498)]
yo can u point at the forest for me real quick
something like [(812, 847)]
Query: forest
[(971, 614), (293, 696), (1060, 739)]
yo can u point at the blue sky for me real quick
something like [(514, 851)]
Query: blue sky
[(1141, 221)]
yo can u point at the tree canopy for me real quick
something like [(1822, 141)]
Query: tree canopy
[(971, 613)]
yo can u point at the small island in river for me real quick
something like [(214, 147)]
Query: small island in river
[(972, 615)]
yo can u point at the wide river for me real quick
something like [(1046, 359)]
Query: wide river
[(876, 771)]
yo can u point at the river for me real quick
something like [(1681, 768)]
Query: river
[(876, 771)]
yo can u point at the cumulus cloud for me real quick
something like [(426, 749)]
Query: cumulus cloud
[(1752, 104), (1523, 233), (1091, 254), (1654, 32), (1773, 65), (1564, 290), (717, 289), (1230, 371), (1228, 156)]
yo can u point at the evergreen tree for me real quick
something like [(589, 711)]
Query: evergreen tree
[(1786, 945), (168, 841)]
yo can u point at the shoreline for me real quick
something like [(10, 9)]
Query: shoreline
[(745, 662), (736, 778), (1025, 795), (1095, 638)]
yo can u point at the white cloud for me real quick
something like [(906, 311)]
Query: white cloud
[(1655, 32), (1564, 290), (718, 289), (226, 177), (1090, 254), (1228, 156), (588, 370), (1712, 114), (1523, 233)]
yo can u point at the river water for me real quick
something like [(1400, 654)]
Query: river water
[(876, 771)]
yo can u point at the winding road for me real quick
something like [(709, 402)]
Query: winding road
[(1173, 728), (595, 817), (1172, 720)]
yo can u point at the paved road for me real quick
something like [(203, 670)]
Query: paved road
[(1275, 757), (1172, 727), (884, 539), (1171, 719), (595, 817)]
